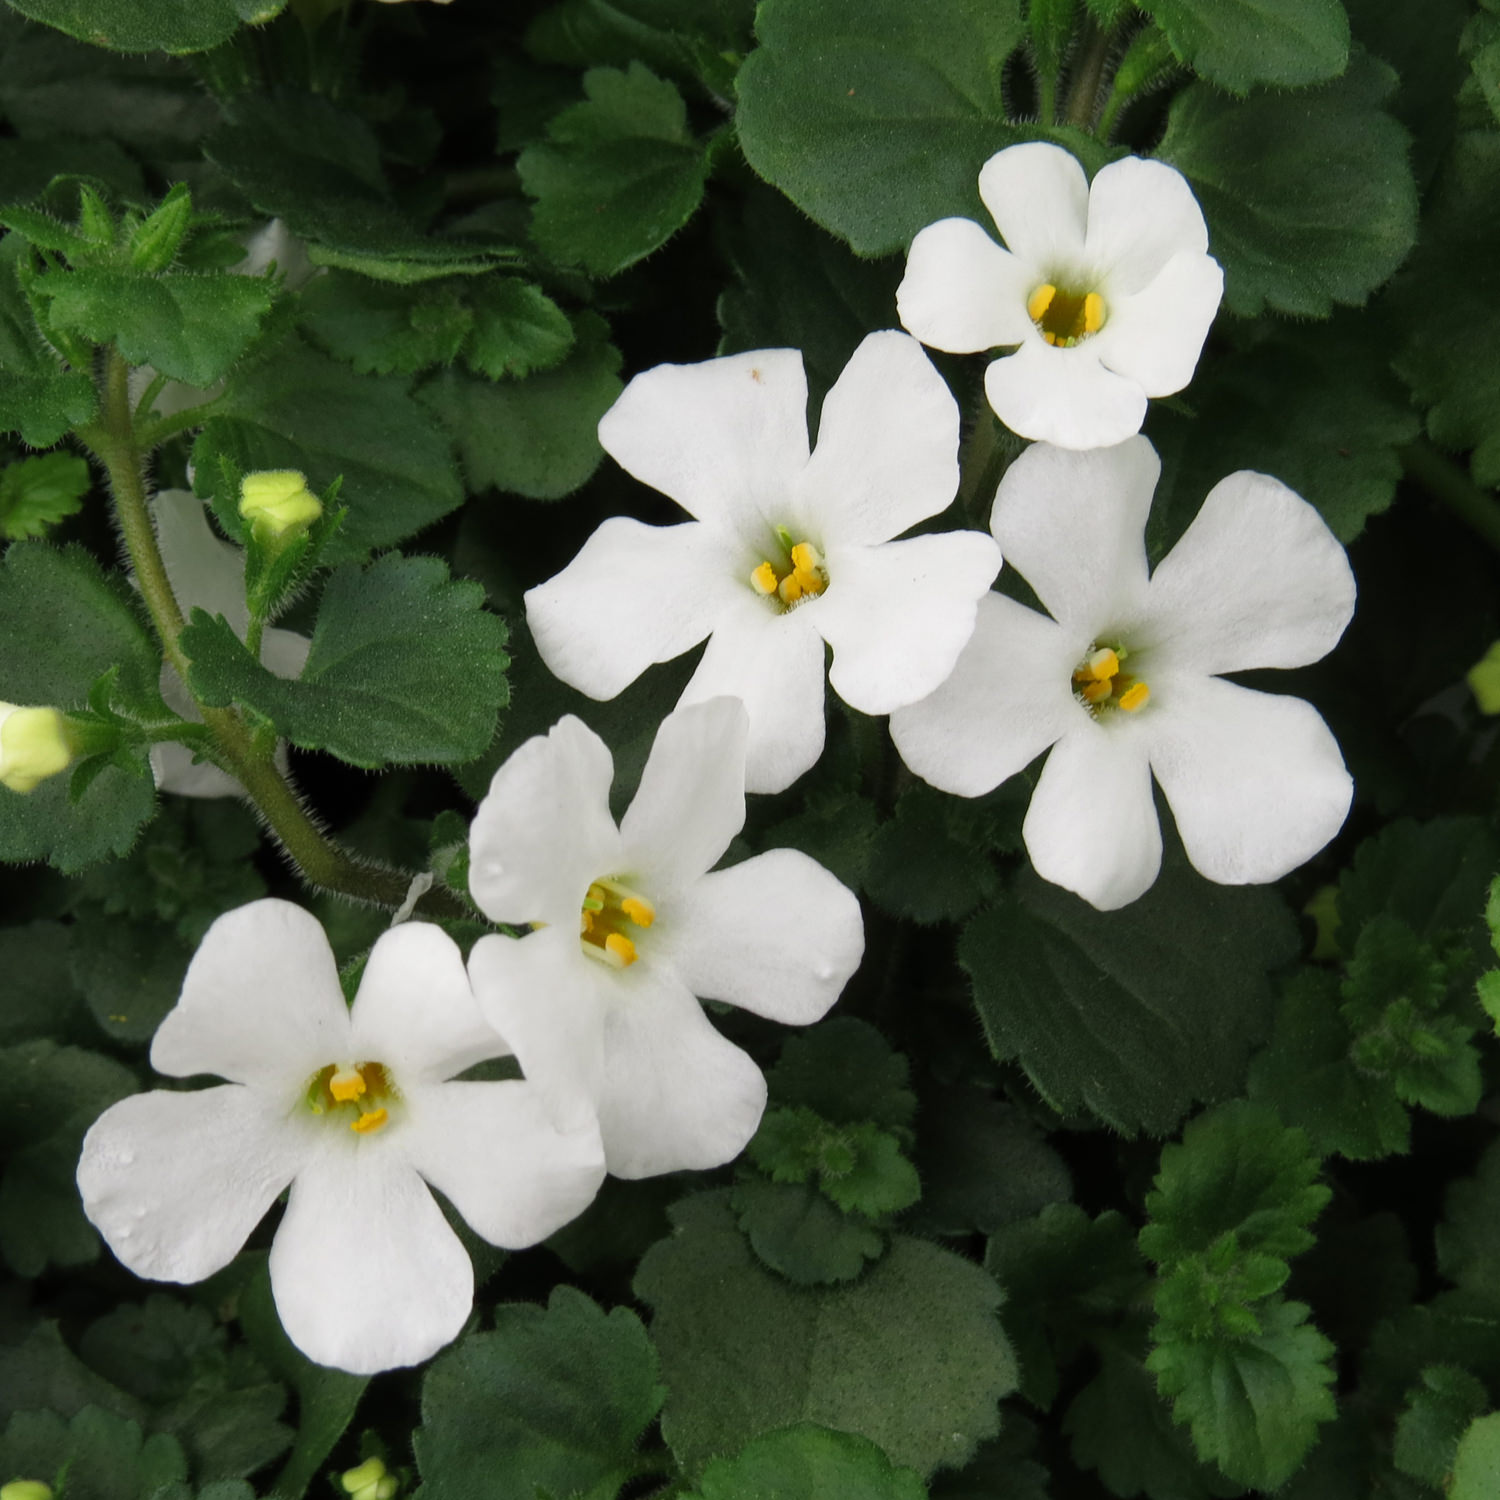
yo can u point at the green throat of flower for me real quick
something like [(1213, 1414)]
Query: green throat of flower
[(794, 576), (1065, 318), (359, 1094), (1101, 683), (612, 919)]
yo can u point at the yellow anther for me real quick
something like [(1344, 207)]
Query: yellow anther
[(345, 1086), (789, 589), (367, 1124), (1103, 664), (1134, 697), (763, 579), (621, 948), (1050, 337), (1039, 301), (1095, 692), (642, 913), (805, 558), (1093, 313)]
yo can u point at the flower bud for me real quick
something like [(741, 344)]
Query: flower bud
[(277, 503), (1484, 680), (34, 744), (368, 1482), (25, 1489)]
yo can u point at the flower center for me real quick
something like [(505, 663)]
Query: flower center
[(1101, 682), (355, 1092), (800, 576), (1065, 318), (609, 908)]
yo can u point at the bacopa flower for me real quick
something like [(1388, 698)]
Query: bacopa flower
[(356, 1110), (629, 927), (35, 743), (787, 550), (1107, 291), (1122, 682)]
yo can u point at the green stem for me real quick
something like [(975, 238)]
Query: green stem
[(1117, 100), (152, 434), (1083, 94), (1446, 482), (322, 863)]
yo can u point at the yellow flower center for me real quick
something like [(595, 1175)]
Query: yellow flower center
[(608, 910), (1101, 682), (354, 1092), (1065, 318), (789, 580)]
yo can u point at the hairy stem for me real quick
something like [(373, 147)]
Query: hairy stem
[(1083, 93), (1445, 481)]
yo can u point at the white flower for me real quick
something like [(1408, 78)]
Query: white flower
[(1107, 290), (353, 1109), (598, 1001), (787, 550), (209, 574), (1122, 682)]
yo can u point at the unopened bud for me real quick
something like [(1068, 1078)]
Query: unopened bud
[(25, 1489), (1484, 680), (368, 1482), (34, 744), (277, 502)]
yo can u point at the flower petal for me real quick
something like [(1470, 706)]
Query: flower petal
[(898, 615), (776, 934), (176, 1182), (887, 454), (1155, 336), (544, 830), (1038, 196), (1009, 698), (1141, 214), (174, 770), (962, 292), (634, 595), (366, 1273), (1073, 526), (723, 438), (261, 1002), (1064, 396), (203, 571), (1257, 580), (284, 652), (774, 664), (1255, 780), (492, 1151), (691, 800), (676, 1094), (1092, 827), (415, 1011)]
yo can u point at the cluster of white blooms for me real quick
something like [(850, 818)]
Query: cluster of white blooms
[(1107, 292)]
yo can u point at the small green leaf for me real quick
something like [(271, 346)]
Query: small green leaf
[(97, 1455), (155, 241), (518, 329), (37, 493), (1476, 1465), (931, 862), (801, 1234), (1437, 1412), (811, 1463), (38, 397), (845, 1071), (1237, 43), (383, 328), (164, 26)]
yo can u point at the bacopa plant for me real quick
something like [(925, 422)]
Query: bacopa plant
[(748, 750)]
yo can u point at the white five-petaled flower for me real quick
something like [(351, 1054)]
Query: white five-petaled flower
[(356, 1110), (1122, 682), (599, 1000), (788, 550), (1107, 291)]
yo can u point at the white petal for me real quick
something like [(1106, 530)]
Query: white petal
[(774, 664), (366, 1273), (962, 292), (676, 1094), (691, 800), (1257, 580), (544, 831), (1039, 198), (1064, 396), (633, 596), (1009, 698), (415, 1012), (176, 1182), (548, 1001), (491, 1150), (1073, 526), (1092, 826), (1141, 214), (898, 615), (284, 652), (261, 1002), (1155, 336), (776, 934), (174, 771), (1255, 781), (723, 438), (203, 571)]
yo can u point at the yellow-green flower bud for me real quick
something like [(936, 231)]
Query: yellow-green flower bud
[(277, 502), (1484, 679), (25, 1489), (364, 1482), (34, 744)]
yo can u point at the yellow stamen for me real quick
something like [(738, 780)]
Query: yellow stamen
[(622, 948), (805, 558), (1093, 313), (642, 913), (1134, 697), (763, 579), (1095, 692), (367, 1124), (347, 1086), (1050, 337), (789, 589), (1039, 301), (1103, 664)]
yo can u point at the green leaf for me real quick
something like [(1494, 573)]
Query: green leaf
[(807, 1463), (536, 437), (1134, 1014), (38, 397), (1437, 1412), (383, 328), (96, 1456), (406, 666), (130, 971), (1470, 1229), (845, 1071), (1309, 197), (36, 493), (931, 862), (874, 117), (859, 1166), (518, 329), (163, 26), (618, 175), (1237, 43), (554, 1400), (1254, 1404), (294, 408), (910, 1356), (1476, 1465), (40, 998), (800, 1233)]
